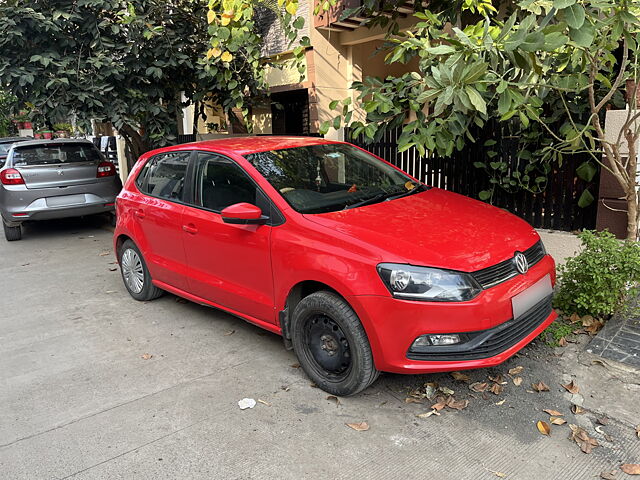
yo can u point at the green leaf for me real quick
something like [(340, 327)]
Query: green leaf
[(484, 195), (333, 104), (583, 36), (476, 99), (560, 4), (586, 171), (504, 103), (441, 50), (585, 199), (574, 15), (554, 40), (336, 122), (479, 165)]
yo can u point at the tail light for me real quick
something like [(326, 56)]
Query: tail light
[(11, 176), (106, 169)]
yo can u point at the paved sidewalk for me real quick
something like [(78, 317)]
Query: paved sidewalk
[(80, 401)]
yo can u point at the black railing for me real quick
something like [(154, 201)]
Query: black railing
[(555, 208)]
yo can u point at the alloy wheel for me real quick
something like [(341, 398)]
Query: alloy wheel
[(132, 270)]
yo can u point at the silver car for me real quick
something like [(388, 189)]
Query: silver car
[(49, 179)]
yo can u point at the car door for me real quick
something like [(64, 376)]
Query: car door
[(158, 214), (229, 264)]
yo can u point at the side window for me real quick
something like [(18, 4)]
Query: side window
[(220, 182), (164, 175)]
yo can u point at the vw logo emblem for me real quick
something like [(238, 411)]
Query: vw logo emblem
[(60, 172), (521, 262)]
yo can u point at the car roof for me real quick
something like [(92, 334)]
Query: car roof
[(15, 139), (252, 144), (55, 141)]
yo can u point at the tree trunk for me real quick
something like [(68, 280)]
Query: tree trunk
[(136, 144), (630, 188)]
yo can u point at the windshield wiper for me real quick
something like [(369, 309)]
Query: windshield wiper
[(385, 197)]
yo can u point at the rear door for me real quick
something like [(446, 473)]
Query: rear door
[(57, 164), (158, 214)]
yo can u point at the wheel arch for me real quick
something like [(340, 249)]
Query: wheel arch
[(296, 293)]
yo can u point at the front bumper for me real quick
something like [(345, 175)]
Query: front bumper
[(392, 325)]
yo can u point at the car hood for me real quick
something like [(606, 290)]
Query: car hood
[(434, 228)]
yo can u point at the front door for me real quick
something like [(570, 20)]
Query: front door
[(230, 265)]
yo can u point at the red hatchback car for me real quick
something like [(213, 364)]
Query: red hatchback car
[(360, 267)]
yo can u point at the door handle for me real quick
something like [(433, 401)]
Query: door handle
[(139, 213), (190, 228)]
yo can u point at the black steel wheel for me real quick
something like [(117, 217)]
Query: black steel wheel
[(331, 344)]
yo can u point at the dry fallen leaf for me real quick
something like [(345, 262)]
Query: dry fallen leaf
[(603, 420), (229, 332), (460, 377), (557, 421), (631, 468), (113, 269), (543, 427), (501, 401), (457, 404), (540, 387), (358, 427), (264, 402), (517, 381), (496, 389), (577, 409), (608, 475), (562, 342), (497, 379), (428, 414), (638, 431), (412, 400), (446, 391), (479, 386), (499, 474), (430, 390), (333, 398), (438, 406), (516, 370), (575, 318), (584, 441), (295, 365), (553, 413), (105, 253), (571, 387), (146, 356)]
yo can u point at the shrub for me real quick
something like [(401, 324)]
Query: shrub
[(598, 281)]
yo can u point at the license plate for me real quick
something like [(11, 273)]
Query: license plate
[(537, 292), (64, 200)]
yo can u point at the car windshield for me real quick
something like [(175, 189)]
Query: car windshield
[(327, 178), (51, 154), (4, 148)]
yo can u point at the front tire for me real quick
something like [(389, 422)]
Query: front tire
[(12, 233), (135, 273), (331, 344)]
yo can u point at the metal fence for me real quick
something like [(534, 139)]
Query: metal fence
[(555, 208)]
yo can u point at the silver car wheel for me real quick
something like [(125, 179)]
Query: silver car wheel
[(132, 270)]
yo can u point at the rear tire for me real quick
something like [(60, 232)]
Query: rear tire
[(135, 274), (331, 344), (12, 233)]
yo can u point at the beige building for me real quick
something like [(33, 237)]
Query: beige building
[(341, 52)]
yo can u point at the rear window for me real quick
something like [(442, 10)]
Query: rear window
[(54, 154), (4, 148)]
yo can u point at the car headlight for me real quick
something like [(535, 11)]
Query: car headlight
[(428, 284)]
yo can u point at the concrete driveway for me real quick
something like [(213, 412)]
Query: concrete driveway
[(96, 385)]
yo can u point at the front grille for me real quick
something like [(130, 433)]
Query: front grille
[(487, 343), (503, 271)]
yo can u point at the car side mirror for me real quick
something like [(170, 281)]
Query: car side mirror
[(243, 214)]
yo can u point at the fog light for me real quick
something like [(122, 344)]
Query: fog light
[(422, 341), (444, 339)]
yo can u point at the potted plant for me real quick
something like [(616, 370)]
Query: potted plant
[(63, 130)]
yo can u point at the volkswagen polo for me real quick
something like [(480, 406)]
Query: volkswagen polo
[(358, 266)]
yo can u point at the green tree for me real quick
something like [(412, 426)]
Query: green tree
[(121, 61), (541, 69), (8, 104)]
